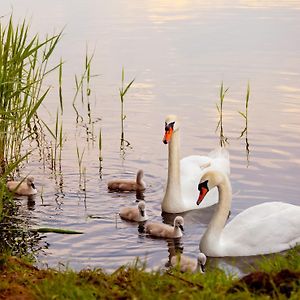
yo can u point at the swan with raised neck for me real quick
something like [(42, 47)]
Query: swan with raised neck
[(184, 174), (261, 229)]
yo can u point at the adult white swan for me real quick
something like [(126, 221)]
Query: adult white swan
[(183, 176), (261, 229)]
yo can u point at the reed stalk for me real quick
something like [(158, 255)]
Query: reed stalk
[(23, 67), (244, 132), (100, 157), (222, 138), (80, 83), (122, 91)]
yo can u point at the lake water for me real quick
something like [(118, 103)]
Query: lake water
[(179, 53)]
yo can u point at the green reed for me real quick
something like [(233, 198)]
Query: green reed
[(100, 157), (56, 143), (245, 113), (60, 94), (82, 85), (222, 137), (23, 67), (245, 116), (123, 90)]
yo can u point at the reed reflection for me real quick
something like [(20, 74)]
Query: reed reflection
[(175, 248)]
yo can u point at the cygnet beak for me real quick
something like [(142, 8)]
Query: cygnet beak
[(202, 267)]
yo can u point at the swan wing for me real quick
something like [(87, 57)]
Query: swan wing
[(192, 169), (265, 228)]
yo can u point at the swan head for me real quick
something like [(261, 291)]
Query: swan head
[(141, 207), (30, 181), (209, 180), (171, 125), (179, 222), (202, 261)]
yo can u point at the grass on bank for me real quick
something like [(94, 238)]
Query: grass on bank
[(278, 278)]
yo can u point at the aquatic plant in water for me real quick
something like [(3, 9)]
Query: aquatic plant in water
[(23, 67), (123, 90), (245, 130), (222, 137)]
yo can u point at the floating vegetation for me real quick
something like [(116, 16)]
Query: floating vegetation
[(123, 90), (245, 130), (55, 230), (223, 139)]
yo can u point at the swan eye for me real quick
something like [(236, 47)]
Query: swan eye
[(203, 189), (169, 126), (203, 185)]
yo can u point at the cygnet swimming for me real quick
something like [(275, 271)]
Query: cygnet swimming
[(135, 214), (23, 188), (125, 185), (187, 264), (165, 230)]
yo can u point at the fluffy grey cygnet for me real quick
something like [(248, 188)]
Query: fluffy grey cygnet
[(165, 230), (127, 185), (188, 264), (135, 214), (22, 188)]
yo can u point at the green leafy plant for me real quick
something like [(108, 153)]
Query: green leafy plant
[(23, 67)]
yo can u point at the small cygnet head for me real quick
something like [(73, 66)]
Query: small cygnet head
[(140, 174), (171, 125), (139, 179), (30, 181), (141, 207), (179, 222), (202, 261)]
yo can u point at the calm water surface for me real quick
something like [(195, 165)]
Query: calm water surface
[(179, 52)]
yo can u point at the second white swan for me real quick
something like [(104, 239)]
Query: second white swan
[(261, 229), (184, 174)]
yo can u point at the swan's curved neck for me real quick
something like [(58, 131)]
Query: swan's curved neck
[(211, 237), (173, 190)]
